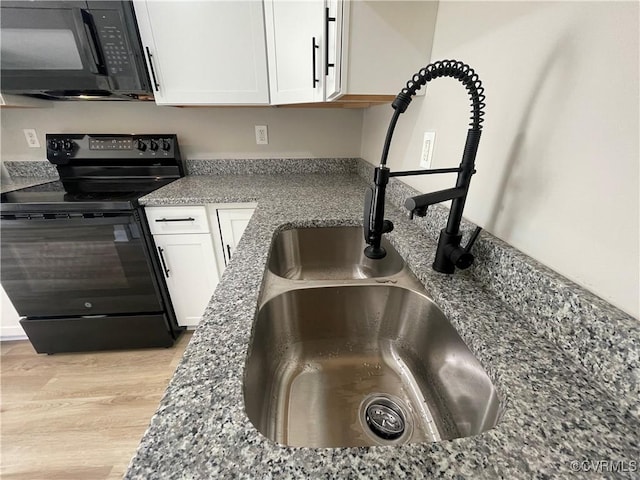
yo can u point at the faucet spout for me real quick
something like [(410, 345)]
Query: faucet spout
[(420, 202)]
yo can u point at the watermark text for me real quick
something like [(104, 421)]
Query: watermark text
[(604, 466)]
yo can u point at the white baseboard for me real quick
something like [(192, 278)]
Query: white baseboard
[(8, 333)]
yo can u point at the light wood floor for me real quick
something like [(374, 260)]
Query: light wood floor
[(77, 415)]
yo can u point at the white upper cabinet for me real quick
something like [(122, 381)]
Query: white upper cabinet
[(364, 50), (217, 52), (383, 44), (296, 49), (205, 52)]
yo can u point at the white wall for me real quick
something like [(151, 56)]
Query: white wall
[(202, 132), (558, 162)]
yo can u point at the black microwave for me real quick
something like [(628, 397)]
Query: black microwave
[(89, 49)]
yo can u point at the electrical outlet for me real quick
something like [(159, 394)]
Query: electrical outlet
[(427, 149), (262, 137), (32, 137)]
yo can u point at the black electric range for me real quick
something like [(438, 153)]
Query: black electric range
[(77, 257)]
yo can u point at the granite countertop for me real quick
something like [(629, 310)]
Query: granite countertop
[(16, 183), (23, 174), (556, 412)]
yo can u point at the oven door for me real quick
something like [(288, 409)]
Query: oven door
[(62, 265)]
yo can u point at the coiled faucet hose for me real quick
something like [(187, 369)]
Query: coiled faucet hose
[(447, 68), (442, 68)]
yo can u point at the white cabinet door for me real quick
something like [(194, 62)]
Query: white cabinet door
[(382, 44), (333, 64), (296, 50), (205, 52), (233, 222), (190, 271)]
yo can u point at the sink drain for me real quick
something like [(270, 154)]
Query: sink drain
[(383, 417), (385, 421)]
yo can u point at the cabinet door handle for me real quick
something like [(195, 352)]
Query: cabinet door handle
[(327, 19), (153, 72), (313, 60), (188, 219), (164, 265), (229, 251)]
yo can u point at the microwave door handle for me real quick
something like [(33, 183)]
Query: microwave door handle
[(88, 43)]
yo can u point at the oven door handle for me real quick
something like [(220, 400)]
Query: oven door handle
[(162, 261), (37, 221)]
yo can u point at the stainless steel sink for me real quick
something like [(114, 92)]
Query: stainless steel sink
[(348, 351), (357, 365), (333, 253)]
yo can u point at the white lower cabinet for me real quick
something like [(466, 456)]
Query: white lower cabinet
[(194, 244), (233, 222), (184, 247), (230, 221)]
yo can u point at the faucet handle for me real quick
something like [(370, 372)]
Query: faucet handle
[(472, 239), (461, 256)]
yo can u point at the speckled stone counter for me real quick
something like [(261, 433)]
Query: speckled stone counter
[(556, 413), (16, 183), (23, 174)]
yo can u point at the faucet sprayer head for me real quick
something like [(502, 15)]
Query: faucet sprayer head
[(372, 251)]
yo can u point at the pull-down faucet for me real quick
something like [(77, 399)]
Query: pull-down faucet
[(449, 253)]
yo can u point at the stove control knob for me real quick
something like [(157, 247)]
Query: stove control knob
[(54, 145), (67, 145), (153, 145), (166, 145), (140, 145)]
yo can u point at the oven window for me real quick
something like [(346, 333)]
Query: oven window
[(70, 265), (80, 267), (39, 49)]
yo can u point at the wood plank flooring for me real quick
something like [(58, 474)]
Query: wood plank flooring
[(77, 415)]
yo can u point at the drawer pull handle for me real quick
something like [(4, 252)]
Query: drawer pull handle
[(229, 251), (189, 219)]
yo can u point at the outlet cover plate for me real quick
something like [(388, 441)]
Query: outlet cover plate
[(262, 136), (428, 141), (32, 137)]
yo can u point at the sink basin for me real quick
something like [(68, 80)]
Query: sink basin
[(359, 365), (331, 253)]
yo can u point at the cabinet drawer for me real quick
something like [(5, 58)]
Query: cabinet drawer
[(167, 220)]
